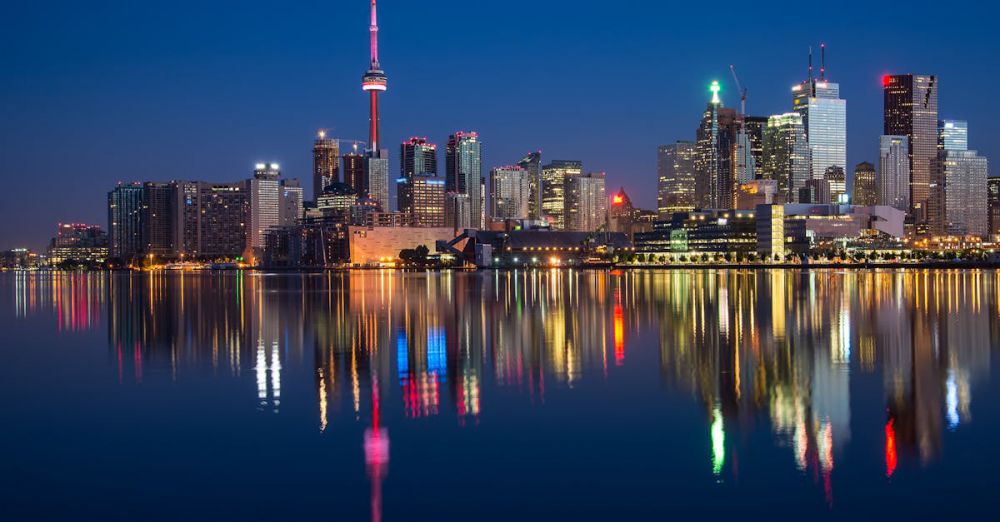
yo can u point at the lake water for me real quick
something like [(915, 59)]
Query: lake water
[(498, 395)]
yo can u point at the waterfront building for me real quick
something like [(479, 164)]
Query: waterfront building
[(957, 205), (464, 175), (786, 154), (893, 180), (78, 242), (510, 193), (159, 202), (326, 163), (222, 220), (702, 231), (676, 173), (865, 187), (623, 216), (993, 204), (586, 206), (422, 199), (532, 163), (554, 175), (265, 204), (125, 221), (911, 109), (375, 245), (770, 222)]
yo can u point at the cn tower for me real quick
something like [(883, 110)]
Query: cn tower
[(374, 81)]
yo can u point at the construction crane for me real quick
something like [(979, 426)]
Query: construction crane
[(743, 91)]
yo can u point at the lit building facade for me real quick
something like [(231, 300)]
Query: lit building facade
[(464, 172), (354, 173), (377, 175), (911, 109), (422, 199), (326, 163), (290, 211), (532, 163), (993, 205), (824, 116), (265, 204), (786, 154), (953, 135), (958, 202), (124, 220), (510, 193), (865, 191), (553, 190), (586, 204), (893, 179), (676, 173), (837, 179), (715, 182)]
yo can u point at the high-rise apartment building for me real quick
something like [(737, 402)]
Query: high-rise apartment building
[(125, 221), (675, 191), (911, 110), (354, 173), (464, 174), (510, 193), (457, 211), (417, 156), (222, 220), (786, 154), (532, 164), (159, 202), (326, 163), (554, 176), (291, 202), (586, 205), (865, 191), (957, 205), (377, 174), (265, 205), (893, 180), (422, 200)]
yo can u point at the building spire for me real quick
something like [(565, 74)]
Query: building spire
[(373, 30), (822, 61), (715, 93)]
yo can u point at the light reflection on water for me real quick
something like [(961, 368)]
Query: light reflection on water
[(764, 351)]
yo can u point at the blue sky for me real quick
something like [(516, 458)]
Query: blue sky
[(93, 93)]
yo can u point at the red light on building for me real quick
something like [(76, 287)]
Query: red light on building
[(617, 199), (886, 80)]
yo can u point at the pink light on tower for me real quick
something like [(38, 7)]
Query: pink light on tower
[(373, 81)]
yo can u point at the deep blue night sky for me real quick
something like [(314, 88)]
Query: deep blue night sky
[(96, 92)]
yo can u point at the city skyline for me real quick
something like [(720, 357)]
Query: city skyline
[(218, 146)]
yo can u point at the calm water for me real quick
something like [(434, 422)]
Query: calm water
[(527, 395)]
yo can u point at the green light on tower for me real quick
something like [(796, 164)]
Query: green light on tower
[(715, 88)]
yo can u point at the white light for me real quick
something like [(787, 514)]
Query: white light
[(261, 166), (274, 166)]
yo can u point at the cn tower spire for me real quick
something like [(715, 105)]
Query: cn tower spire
[(374, 36), (373, 82)]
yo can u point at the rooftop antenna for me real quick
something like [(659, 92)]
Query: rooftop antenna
[(822, 61), (810, 64)]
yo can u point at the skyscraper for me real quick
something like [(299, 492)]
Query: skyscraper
[(893, 179), (265, 205), (957, 205), (159, 202), (953, 135), (675, 165), (532, 163), (417, 156), (911, 110), (837, 179), (786, 154), (510, 193), (715, 183), (824, 116), (586, 205), (377, 173), (463, 165), (865, 189), (553, 189), (326, 163), (354, 173), (125, 220)]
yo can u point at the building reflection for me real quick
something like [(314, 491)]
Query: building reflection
[(757, 350)]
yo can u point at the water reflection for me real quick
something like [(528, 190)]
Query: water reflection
[(771, 351)]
